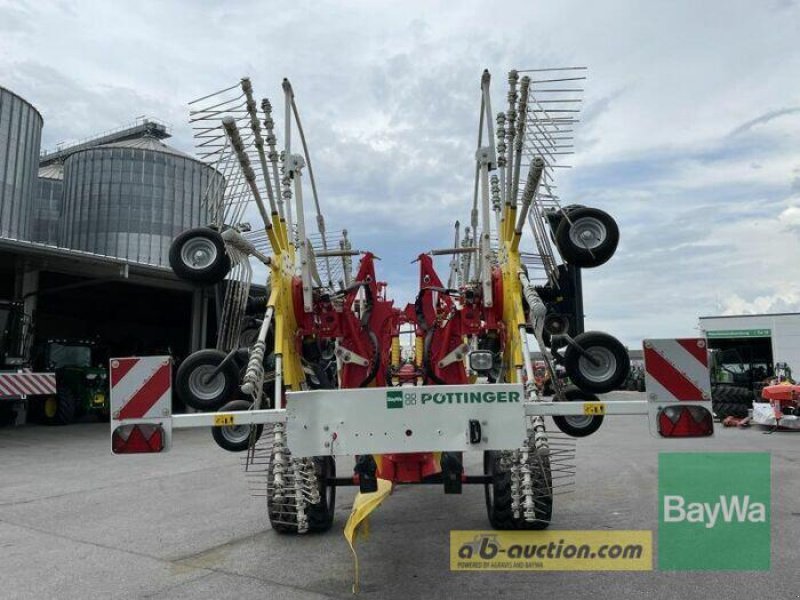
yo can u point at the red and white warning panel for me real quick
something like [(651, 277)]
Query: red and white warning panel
[(678, 385), (141, 404), (24, 383)]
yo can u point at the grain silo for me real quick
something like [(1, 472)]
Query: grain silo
[(20, 139), (47, 203), (129, 199)]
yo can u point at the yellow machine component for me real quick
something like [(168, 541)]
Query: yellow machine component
[(395, 356), (513, 312), (419, 349), (50, 407), (357, 524), (282, 274)]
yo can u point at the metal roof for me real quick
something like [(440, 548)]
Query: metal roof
[(148, 143), (52, 171), (147, 126), (745, 316), (66, 260)]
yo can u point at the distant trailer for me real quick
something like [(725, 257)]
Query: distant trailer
[(18, 386), (24, 383)]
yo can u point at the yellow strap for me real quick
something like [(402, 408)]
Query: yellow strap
[(357, 524)]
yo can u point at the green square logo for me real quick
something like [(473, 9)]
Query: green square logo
[(394, 399), (714, 511)]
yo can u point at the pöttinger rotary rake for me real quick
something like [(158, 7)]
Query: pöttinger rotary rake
[(315, 369)]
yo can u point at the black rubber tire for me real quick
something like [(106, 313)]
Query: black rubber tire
[(498, 494), (214, 272), (601, 342), (581, 256), (221, 434), (205, 359), (729, 409), (732, 394), (320, 515), (574, 394), (731, 401), (66, 410)]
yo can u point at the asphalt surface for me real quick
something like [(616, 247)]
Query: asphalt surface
[(76, 522)]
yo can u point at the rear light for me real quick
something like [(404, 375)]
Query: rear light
[(137, 439), (685, 421)]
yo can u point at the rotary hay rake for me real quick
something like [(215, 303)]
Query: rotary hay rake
[(314, 368)]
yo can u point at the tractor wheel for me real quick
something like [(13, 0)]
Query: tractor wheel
[(198, 255), (499, 498), (235, 438), (611, 358), (60, 409), (195, 386), (578, 425), (587, 238), (283, 515), (730, 401)]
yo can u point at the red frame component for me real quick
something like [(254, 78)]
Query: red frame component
[(366, 323)]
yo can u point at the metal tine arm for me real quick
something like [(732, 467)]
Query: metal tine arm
[(511, 118), (244, 162), (258, 141), (531, 187), (522, 119)]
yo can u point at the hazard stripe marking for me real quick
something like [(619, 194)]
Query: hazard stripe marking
[(697, 348), (669, 377), (123, 366), (144, 399)]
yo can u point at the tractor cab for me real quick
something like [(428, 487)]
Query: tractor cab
[(81, 379), (738, 367), (13, 349)]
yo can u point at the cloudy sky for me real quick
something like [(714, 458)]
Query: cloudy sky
[(690, 135)]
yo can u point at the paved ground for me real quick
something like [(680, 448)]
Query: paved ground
[(78, 523)]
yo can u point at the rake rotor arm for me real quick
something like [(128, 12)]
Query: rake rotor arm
[(232, 131), (258, 141), (511, 119), (531, 187), (519, 139)]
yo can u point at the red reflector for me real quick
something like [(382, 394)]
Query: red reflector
[(685, 421), (137, 439)]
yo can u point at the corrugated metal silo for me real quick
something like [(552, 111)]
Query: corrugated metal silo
[(129, 199), (47, 204), (20, 140)]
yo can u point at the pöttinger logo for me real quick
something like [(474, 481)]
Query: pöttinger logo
[(714, 511), (394, 399)]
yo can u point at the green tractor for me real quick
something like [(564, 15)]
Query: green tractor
[(736, 380), (81, 382)]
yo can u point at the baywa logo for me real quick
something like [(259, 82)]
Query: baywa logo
[(399, 398), (729, 508), (394, 399), (714, 511)]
